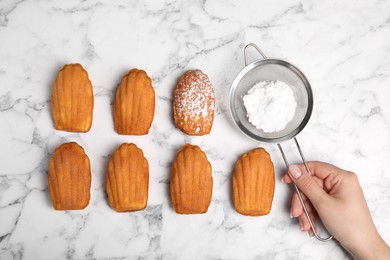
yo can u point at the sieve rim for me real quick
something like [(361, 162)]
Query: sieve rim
[(263, 62)]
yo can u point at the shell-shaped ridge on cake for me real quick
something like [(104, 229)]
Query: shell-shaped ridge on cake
[(191, 183), (69, 177), (134, 104), (127, 179), (72, 99), (254, 183)]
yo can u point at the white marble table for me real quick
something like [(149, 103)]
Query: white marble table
[(342, 46)]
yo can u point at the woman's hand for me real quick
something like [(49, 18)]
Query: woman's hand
[(336, 197)]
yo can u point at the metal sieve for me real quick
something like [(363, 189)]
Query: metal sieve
[(271, 69)]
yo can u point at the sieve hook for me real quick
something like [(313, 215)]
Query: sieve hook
[(254, 46), (299, 193)]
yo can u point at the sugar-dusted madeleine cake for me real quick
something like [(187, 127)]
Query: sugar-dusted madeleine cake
[(193, 103), (128, 179), (134, 104), (69, 177), (191, 184), (72, 99), (254, 183)]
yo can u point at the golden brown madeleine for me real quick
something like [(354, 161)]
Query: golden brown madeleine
[(134, 104), (193, 103), (254, 183), (128, 179), (69, 177), (191, 181), (72, 99)]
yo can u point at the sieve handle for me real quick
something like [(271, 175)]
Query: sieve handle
[(254, 46), (299, 193)]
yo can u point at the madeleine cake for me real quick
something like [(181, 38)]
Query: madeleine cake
[(128, 179), (193, 103), (191, 184), (72, 99), (69, 177), (134, 104), (254, 183)]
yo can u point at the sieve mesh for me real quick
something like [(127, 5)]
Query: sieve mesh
[(271, 70)]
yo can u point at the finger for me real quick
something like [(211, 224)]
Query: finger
[(300, 225), (296, 206), (333, 181), (319, 169), (322, 170), (310, 210), (305, 222), (308, 185), (310, 231), (286, 179), (319, 181)]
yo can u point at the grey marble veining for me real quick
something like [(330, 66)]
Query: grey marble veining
[(342, 46)]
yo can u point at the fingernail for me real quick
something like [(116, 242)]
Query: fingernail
[(282, 180), (291, 216), (295, 171)]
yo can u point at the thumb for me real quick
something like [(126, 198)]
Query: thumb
[(306, 183)]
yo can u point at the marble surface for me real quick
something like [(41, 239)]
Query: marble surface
[(342, 46)]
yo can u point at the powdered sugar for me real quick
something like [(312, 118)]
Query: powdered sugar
[(194, 102), (270, 105)]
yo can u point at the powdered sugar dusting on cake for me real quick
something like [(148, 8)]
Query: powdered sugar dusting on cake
[(194, 102)]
